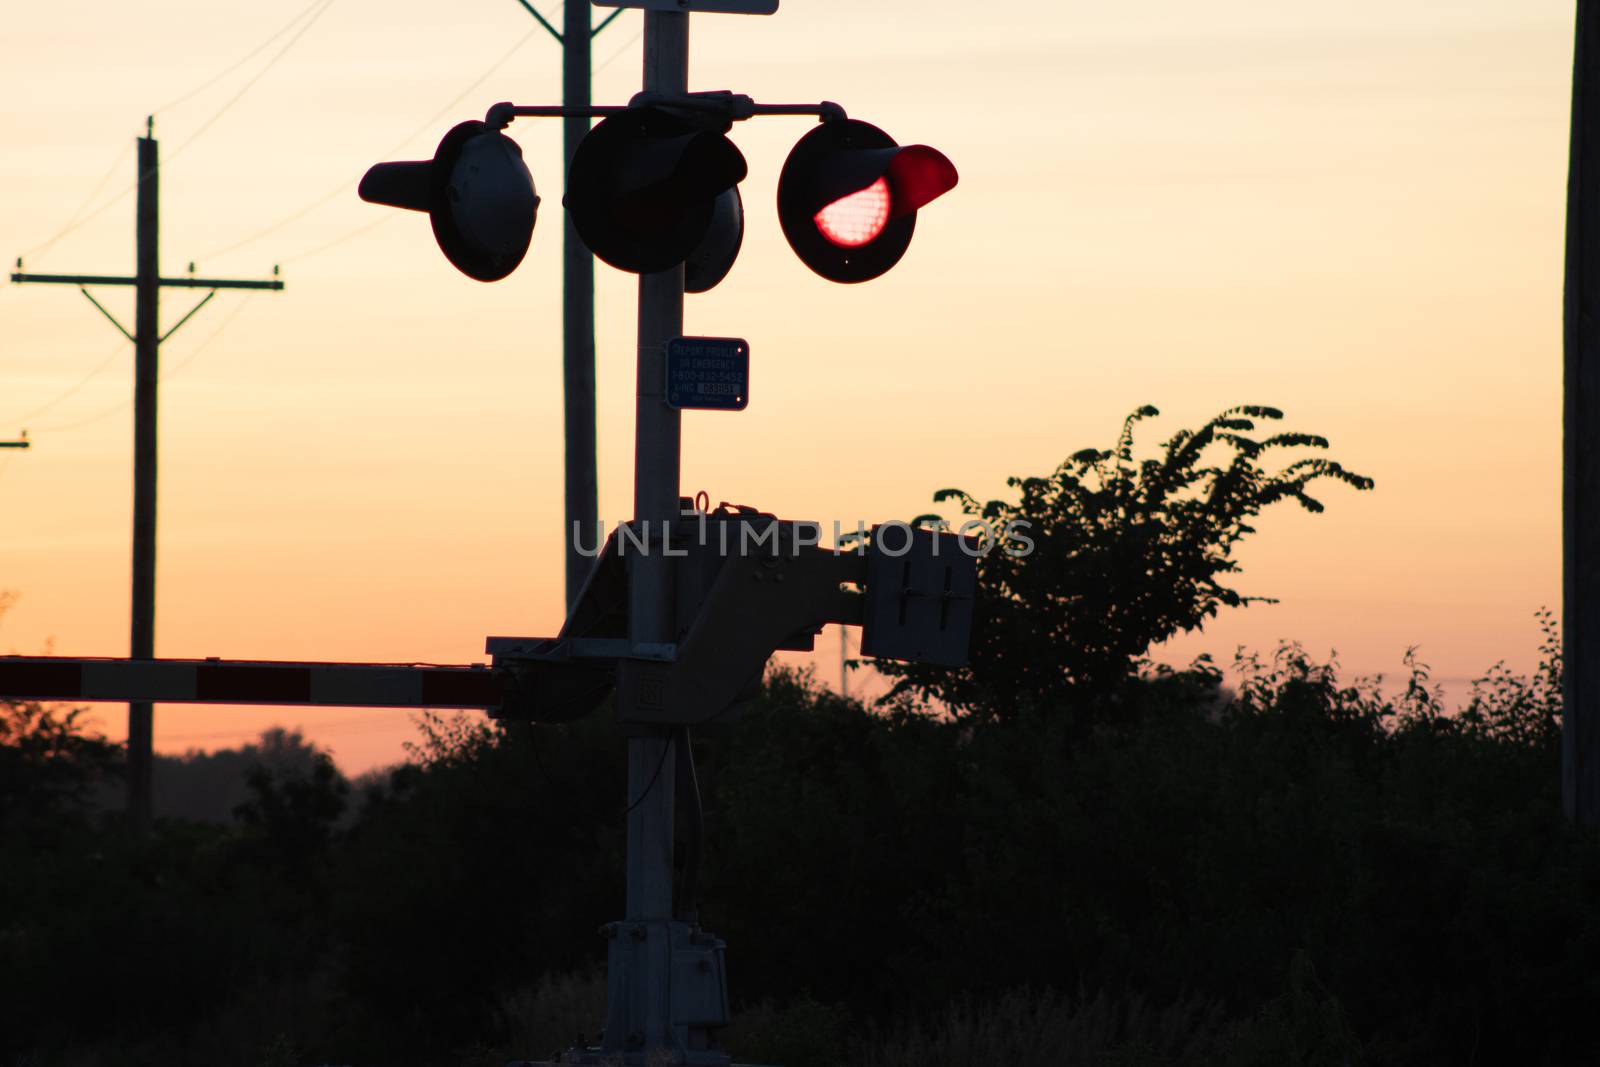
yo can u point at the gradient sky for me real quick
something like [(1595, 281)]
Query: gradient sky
[(1352, 212)]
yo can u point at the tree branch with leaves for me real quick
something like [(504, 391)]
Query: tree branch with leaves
[(1126, 552)]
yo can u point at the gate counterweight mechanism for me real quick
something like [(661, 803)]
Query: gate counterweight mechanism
[(745, 585), (682, 609)]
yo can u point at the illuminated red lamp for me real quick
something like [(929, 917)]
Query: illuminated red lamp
[(857, 218), (848, 198)]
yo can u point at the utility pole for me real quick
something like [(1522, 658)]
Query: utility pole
[(1580, 726), (146, 337), (582, 513)]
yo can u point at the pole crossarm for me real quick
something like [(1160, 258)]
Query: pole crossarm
[(608, 20), (16, 444), (71, 279), (110, 317), (263, 682), (181, 283), (221, 283)]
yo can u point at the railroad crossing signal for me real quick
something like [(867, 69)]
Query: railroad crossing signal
[(682, 637), (848, 198), (656, 184)]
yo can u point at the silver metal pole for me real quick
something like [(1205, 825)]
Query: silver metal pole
[(638, 1015)]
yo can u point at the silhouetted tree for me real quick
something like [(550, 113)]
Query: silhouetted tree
[(1126, 552), (210, 786), (50, 764)]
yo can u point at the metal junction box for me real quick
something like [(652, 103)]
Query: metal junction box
[(920, 589)]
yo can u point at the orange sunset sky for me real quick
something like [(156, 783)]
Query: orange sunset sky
[(1350, 211)]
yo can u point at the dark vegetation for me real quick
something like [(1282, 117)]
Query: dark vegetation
[(1065, 855), (209, 786)]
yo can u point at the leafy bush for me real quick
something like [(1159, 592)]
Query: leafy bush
[(1126, 553), (50, 764)]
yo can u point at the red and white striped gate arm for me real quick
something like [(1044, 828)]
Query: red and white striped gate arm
[(217, 681)]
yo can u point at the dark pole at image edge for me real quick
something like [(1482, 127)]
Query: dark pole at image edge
[(1580, 726), (147, 348)]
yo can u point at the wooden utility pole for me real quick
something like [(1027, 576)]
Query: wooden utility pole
[(582, 516), (146, 337)]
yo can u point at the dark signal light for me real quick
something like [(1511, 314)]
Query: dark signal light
[(848, 198), (649, 188), (477, 192)]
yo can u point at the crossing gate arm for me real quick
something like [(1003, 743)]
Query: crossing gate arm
[(218, 681)]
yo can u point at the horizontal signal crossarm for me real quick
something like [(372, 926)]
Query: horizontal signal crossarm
[(261, 682)]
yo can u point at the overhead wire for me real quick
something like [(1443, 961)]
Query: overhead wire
[(343, 188), (301, 257), (247, 57), (23, 420), (127, 147), (256, 77), (73, 226), (194, 353), (79, 219), (631, 41)]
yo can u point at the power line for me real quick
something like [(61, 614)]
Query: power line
[(78, 218), (208, 123), (257, 50), (343, 188), (70, 227), (618, 53), (36, 412), (317, 251), (212, 336), (122, 405), (76, 222), (127, 147)]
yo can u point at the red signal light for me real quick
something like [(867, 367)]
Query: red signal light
[(857, 218), (848, 197)]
